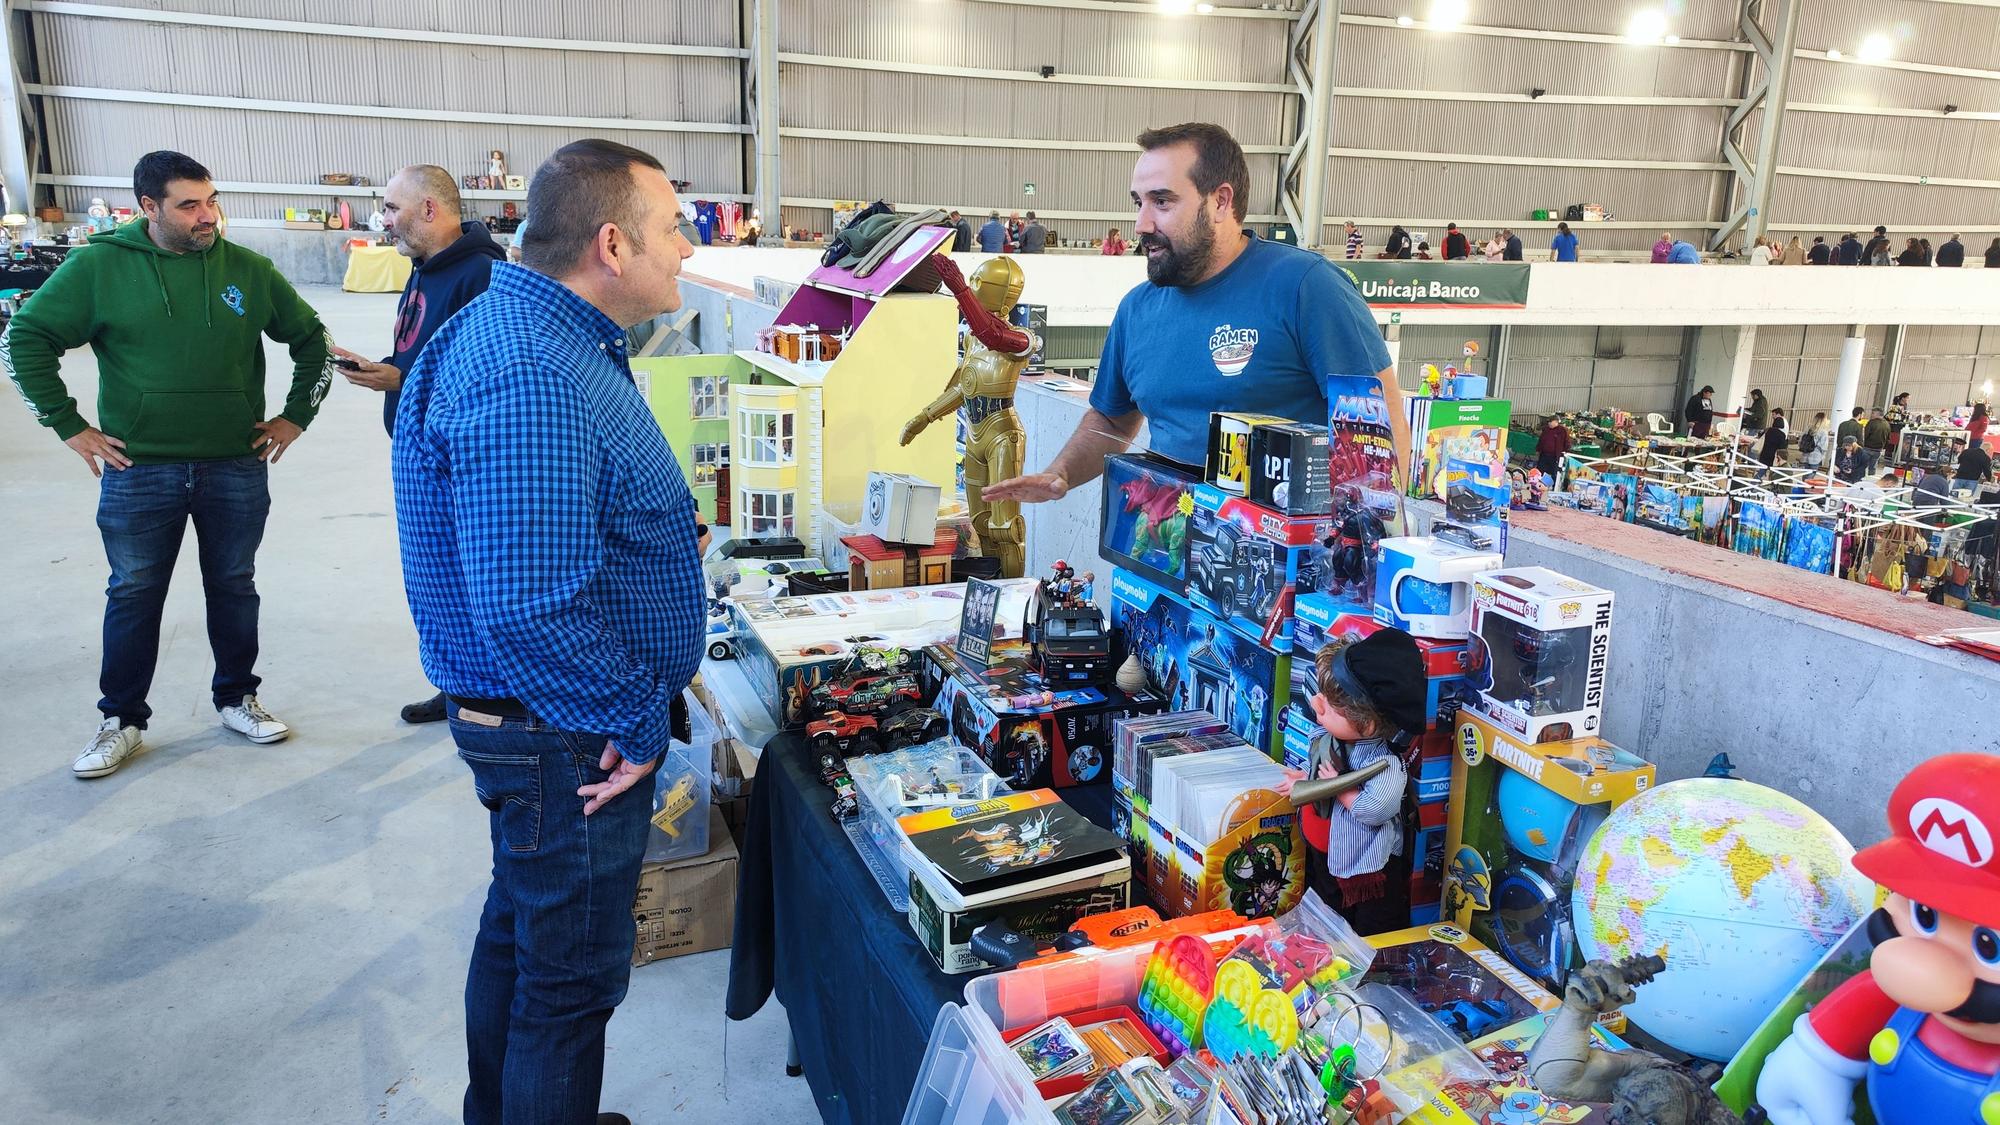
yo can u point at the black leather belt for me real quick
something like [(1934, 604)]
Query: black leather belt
[(979, 408)]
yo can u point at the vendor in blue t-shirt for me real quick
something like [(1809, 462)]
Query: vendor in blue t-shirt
[(1226, 321)]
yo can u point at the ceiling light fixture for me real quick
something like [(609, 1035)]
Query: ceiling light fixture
[(1405, 21), (1673, 40), (1204, 9), (1446, 14), (1649, 25), (1833, 55), (1875, 48)]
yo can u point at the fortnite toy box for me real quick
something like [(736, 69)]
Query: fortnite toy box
[(1194, 662), (1540, 646), (1245, 563), (791, 645), (1521, 814), (1031, 736)]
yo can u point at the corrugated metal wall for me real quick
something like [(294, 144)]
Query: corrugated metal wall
[(104, 138)]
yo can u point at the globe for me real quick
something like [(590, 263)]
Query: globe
[(1741, 888)]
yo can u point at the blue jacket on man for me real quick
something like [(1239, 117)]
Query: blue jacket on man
[(992, 237), (439, 286)]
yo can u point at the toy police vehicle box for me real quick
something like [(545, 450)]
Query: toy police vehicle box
[(1540, 645), (1147, 503), (1195, 662), (1245, 562), (1321, 620), (1031, 733), (791, 646)]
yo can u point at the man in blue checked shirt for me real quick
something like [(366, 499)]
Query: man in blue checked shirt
[(549, 554)]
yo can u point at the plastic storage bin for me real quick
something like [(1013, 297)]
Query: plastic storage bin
[(682, 784)]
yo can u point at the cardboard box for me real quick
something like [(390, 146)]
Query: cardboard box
[(944, 921), (1462, 429), (1520, 815), (1245, 563), (900, 508), (1541, 642), (1032, 737), (789, 646), (1229, 439), (687, 905), (1144, 524), (1289, 470), (1319, 620), (1193, 661), (1423, 586)]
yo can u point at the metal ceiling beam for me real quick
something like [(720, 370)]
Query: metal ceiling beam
[(1752, 183), (1311, 56)]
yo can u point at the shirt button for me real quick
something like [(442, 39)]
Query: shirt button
[(620, 341)]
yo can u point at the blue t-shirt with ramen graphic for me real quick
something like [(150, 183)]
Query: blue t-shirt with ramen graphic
[(1264, 336)]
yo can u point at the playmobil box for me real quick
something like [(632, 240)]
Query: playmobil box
[(1521, 813), (1423, 586), (1244, 563), (1194, 662), (1144, 527), (789, 646), (1540, 645), (1320, 620), (1031, 736)]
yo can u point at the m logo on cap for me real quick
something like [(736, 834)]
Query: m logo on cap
[(1950, 830)]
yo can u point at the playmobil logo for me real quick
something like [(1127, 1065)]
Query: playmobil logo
[(1360, 408), (1600, 657), (1125, 587), (1949, 829)]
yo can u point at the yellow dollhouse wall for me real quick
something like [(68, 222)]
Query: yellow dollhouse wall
[(899, 360)]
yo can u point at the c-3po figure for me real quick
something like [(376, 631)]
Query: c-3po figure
[(984, 384)]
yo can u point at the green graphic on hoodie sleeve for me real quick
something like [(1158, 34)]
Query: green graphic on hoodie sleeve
[(60, 316), (294, 323)]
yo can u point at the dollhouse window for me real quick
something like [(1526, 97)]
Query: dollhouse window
[(708, 396), (766, 437), (770, 513), (706, 456)]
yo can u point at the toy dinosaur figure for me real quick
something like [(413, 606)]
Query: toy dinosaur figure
[(1160, 526), (1642, 1087)]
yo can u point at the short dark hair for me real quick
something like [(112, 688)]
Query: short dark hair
[(1218, 158), (1031, 216), (1563, 227), (583, 186), (156, 170)]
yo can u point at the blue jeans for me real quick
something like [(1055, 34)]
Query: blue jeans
[(143, 512), (554, 950)]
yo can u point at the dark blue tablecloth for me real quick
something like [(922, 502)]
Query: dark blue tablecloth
[(813, 926)]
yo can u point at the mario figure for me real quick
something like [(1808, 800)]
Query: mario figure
[(1923, 1023)]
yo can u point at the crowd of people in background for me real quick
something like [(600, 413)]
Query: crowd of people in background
[(1506, 246)]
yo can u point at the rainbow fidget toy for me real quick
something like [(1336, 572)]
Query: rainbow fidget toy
[(1246, 1017), (1179, 982)]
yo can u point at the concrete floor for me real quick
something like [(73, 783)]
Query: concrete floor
[(228, 933)]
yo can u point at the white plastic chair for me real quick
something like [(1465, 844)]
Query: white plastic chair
[(1658, 424)]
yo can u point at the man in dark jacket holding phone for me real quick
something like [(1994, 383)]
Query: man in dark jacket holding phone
[(422, 212)]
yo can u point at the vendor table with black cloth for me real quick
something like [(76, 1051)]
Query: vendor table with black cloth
[(812, 925)]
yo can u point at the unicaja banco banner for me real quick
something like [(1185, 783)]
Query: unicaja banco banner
[(1415, 285)]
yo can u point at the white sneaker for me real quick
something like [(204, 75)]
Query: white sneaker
[(107, 750), (250, 720)]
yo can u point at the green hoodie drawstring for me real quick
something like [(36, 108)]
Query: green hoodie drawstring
[(207, 304), (161, 280)]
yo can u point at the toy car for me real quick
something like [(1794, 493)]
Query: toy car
[(846, 804), (1470, 1019), (721, 632), (841, 735), (881, 694), (913, 727), (1465, 505)]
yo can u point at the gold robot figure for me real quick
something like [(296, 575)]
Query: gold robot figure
[(984, 385)]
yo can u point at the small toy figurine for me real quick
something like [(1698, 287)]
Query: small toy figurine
[(1160, 525), (1538, 491), (496, 166), (1563, 1063), (100, 217), (1922, 1023)]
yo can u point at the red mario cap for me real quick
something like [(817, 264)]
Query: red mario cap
[(1944, 844)]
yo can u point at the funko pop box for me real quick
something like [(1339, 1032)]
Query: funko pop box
[(1245, 562), (1032, 737), (1144, 526), (1540, 646), (1193, 661), (1521, 813)]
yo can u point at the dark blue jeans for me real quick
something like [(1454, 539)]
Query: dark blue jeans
[(554, 951), (143, 512)]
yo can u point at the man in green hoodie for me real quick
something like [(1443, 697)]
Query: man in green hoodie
[(176, 316)]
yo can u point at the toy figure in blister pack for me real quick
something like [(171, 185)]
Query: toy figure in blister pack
[(1922, 1024), (1355, 546)]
